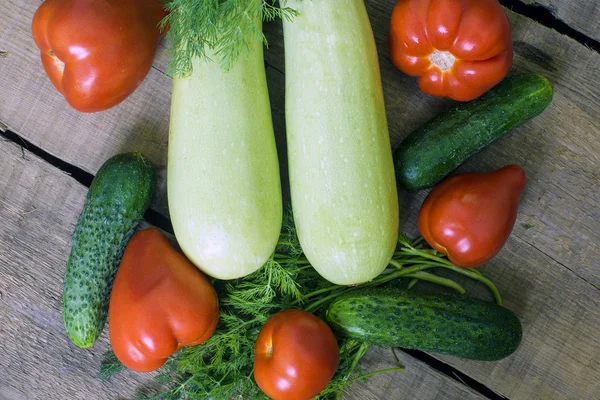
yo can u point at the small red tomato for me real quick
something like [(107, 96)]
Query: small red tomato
[(458, 48), (470, 216), (296, 355)]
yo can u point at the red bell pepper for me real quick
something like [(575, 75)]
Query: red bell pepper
[(458, 48), (160, 302), (96, 53)]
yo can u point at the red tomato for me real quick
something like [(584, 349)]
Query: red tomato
[(296, 355), (96, 53), (459, 48), (160, 302), (470, 216)]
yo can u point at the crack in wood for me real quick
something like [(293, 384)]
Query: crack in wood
[(268, 65), (78, 174), (85, 178), (455, 374), (597, 286), (546, 17)]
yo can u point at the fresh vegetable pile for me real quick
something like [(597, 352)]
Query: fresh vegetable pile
[(224, 366), (267, 303)]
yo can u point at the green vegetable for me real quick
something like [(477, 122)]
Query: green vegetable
[(444, 143), (216, 30), (342, 182), (223, 180), (435, 322), (116, 201), (221, 368)]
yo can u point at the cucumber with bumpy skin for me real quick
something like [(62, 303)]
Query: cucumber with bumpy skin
[(444, 143), (116, 201), (434, 322)]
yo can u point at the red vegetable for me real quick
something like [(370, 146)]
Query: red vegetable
[(458, 48), (96, 53), (296, 355), (470, 216), (159, 303)]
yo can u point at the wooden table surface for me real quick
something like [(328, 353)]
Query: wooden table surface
[(548, 273)]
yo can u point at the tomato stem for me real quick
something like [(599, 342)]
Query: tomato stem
[(444, 60)]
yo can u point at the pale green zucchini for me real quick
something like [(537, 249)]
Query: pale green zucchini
[(223, 178), (342, 181)]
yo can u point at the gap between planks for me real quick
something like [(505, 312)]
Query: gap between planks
[(155, 218), (544, 16)]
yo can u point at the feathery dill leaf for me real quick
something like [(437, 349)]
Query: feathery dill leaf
[(109, 366), (215, 29), (222, 367)]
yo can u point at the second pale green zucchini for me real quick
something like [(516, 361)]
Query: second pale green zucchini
[(342, 181)]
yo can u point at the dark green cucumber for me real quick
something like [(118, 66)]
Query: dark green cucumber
[(116, 201), (434, 322), (445, 142)]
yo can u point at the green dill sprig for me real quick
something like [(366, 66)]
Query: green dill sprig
[(215, 29), (222, 367), (110, 366)]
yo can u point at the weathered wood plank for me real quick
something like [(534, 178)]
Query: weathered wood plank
[(559, 149), (39, 206), (29, 103), (558, 256), (581, 15), (559, 311), (408, 384), (38, 209)]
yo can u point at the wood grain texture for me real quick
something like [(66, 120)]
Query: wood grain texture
[(548, 273), (30, 103), (559, 149), (408, 384), (38, 216), (559, 311), (581, 15)]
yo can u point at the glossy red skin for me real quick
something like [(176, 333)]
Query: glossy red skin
[(296, 355), (160, 302), (107, 47), (470, 216), (476, 32)]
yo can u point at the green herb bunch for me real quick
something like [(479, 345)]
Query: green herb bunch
[(216, 29), (222, 367)]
